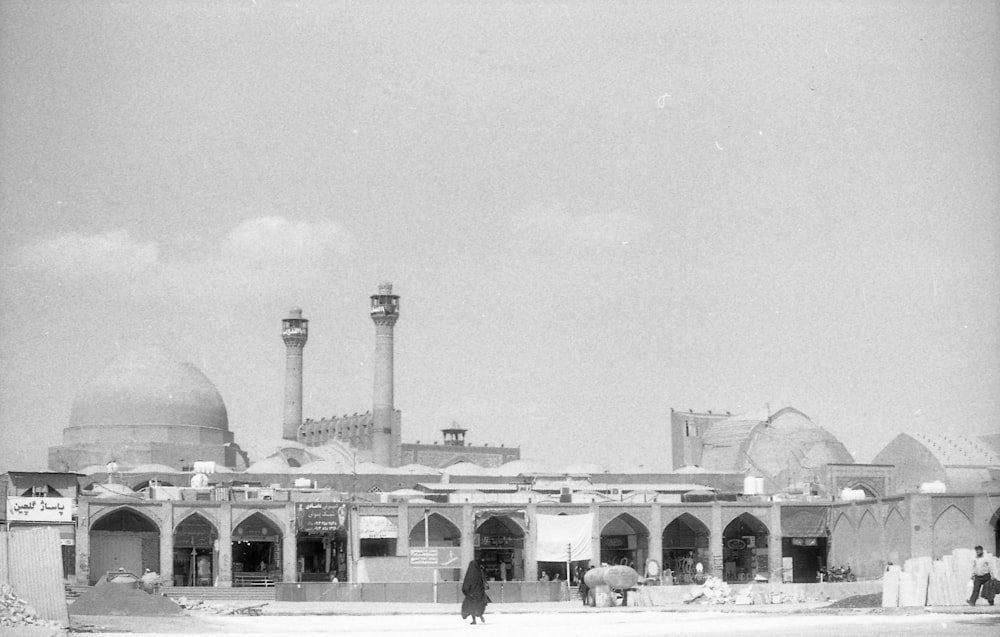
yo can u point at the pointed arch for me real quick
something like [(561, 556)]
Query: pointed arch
[(440, 532), (897, 537), (952, 529), (625, 540), (685, 544), (123, 538)]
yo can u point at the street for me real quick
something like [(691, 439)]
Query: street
[(590, 624)]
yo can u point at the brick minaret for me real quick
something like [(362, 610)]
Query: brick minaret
[(384, 312), (294, 331)]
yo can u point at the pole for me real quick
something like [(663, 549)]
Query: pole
[(569, 560)]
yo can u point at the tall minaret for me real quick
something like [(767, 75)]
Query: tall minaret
[(384, 312), (294, 331)]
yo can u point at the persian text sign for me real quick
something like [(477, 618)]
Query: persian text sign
[(21, 509), (320, 517), (435, 556)]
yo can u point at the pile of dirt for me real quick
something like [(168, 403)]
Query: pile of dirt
[(874, 600), (15, 611), (122, 599)]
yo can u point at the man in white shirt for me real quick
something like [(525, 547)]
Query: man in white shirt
[(981, 574)]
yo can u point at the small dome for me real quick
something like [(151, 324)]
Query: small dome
[(147, 386)]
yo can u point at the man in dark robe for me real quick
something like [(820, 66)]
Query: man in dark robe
[(474, 589)]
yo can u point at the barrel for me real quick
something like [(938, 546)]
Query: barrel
[(611, 576)]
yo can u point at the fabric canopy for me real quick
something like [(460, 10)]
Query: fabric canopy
[(562, 535), (803, 521)]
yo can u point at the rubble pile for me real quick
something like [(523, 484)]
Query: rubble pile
[(713, 591), (15, 611), (123, 599)]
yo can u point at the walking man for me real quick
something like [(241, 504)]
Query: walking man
[(982, 573)]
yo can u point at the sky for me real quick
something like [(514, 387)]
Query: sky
[(592, 212)]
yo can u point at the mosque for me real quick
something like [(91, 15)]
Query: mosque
[(163, 484)]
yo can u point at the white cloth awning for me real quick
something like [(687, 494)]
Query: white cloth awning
[(564, 536)]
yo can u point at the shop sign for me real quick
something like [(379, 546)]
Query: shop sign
[(804, 541), (435, 556), (22, 509), (320, 517), (377, 527)]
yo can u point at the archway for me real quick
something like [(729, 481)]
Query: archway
[(744, 549), (625, 540), (256, 552), (685, 544), (196, 552), (123, 539), (499, 548), (440, 532)]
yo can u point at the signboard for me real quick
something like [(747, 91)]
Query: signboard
[(21, 509), (435, 556), (320, 517), (377, 527)]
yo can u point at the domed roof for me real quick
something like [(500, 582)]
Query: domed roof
[(147, 386)]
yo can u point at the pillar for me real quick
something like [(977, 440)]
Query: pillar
[(531, 542), (83, 542), (774, 545), (595, 535), (468, 529), (715, 541), (289, 546), (655, 537), (403, 530), (224, 573), (167, 543)]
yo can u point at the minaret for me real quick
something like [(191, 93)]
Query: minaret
[(384, 312), (294, 331)]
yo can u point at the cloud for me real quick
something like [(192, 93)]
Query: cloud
[(75, 256), (259, 256), (578, 231)]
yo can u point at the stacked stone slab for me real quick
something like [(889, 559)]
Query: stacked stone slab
[(923, 582)]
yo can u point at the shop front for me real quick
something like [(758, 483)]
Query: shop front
[(804, 543), (499, 548), (744, 549), (321, 541), (256, 543), (35, 512), (196, 549), (685, 546)]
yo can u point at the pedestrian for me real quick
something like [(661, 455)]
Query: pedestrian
[(584, 589), (474, 588), (982, 573)]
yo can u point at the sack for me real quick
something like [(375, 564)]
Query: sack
[(990, 589)]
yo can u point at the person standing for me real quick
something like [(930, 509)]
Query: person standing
[(474, 589), (982, 572)]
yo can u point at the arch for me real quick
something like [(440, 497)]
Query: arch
[(625, 540), (440, 531), (842, 539), (123, 538), (685, 542), (869, 560), (744, 548), (952, 529), (499, 547), (196, 551), (870, 491), (897, 537), (257, 547)]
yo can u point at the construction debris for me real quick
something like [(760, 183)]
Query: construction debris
[(713, 591), (122, 599), (15, 611), (925, 582)]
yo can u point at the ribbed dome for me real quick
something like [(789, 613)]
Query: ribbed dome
[(147, 386)]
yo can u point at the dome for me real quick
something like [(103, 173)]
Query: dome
[(147, 386)]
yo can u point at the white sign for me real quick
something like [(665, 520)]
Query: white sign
[(20, 509), (377, 527)]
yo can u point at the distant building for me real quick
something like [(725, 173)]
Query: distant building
[(969, 464)]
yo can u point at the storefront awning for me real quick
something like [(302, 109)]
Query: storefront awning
[(803, 521), (562, 537)]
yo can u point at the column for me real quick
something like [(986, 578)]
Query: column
[(167, 543), (655, 537), (595, 535), (83, 542), (531, 543), (715, 541), (289, 546), (774, 545), (403, 530), (224, 573), (468, 551)]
